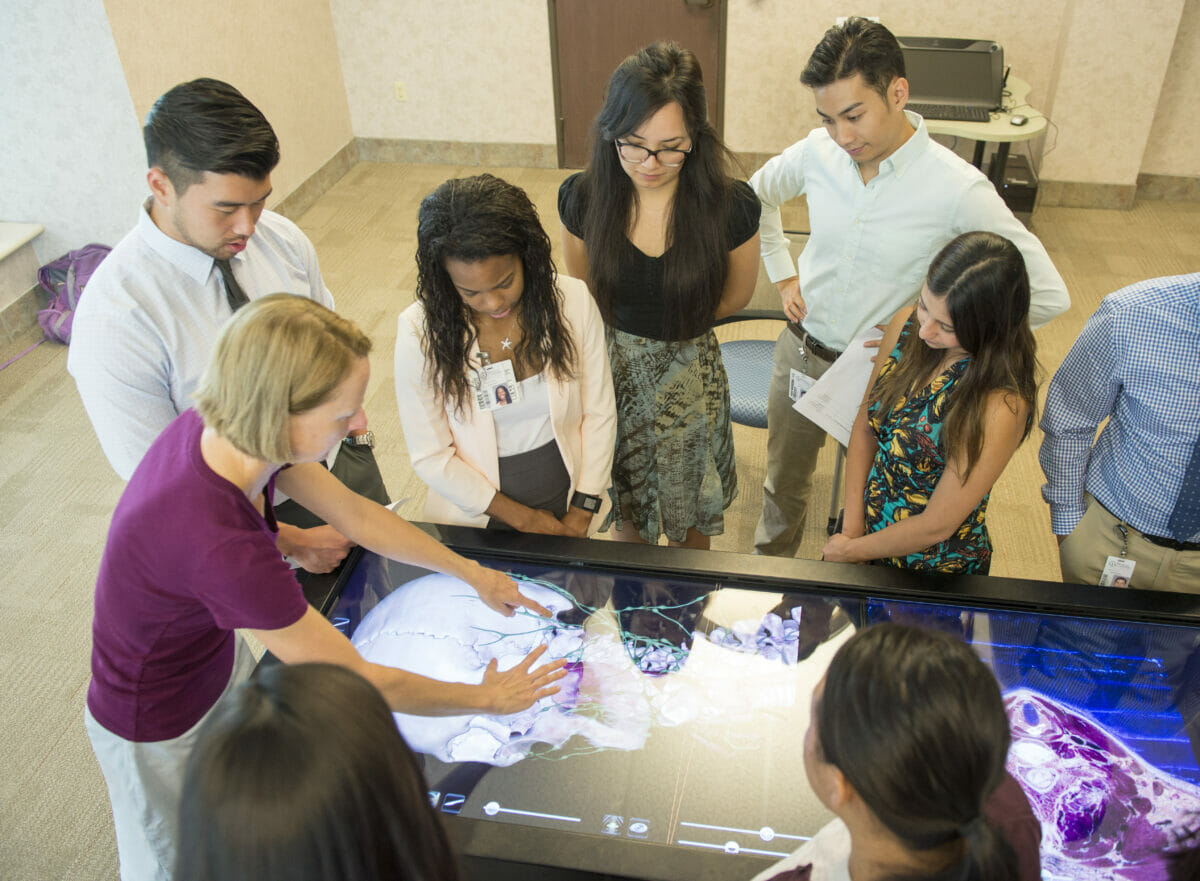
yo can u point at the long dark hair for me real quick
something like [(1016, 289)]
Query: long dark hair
[(302, 775), (471, 219), (982, 276), (916, 724), (697, 257), (1183, 858)]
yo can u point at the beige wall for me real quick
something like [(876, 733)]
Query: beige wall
[(472, 73), (1112, 66), (1096, 66), (1118, 78), (768, 43), (1174, 144), (73, 157), (283, 57)]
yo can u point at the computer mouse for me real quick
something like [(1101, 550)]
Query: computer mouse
[(1018, 119)]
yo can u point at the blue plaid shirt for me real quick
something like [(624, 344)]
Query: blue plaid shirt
[(1136, 363)]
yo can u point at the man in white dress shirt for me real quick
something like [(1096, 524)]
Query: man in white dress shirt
[(883, 199), (202, 247)]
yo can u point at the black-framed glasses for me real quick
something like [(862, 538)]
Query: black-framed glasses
[(671, 157)]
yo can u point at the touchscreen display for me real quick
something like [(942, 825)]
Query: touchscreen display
[(1105, 719), (680, 723), (682, 717)]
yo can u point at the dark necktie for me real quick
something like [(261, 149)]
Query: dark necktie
[(233, 291), (1185, 519)]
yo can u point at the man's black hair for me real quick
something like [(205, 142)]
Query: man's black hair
[(208, 126), (858, 45)]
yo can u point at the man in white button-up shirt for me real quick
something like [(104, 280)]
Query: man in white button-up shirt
[(883, 199), (143, 332)]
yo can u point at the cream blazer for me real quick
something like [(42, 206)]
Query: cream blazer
[(455, 454)]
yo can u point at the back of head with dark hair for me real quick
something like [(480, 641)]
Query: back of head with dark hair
[(301, 775), (208, 126), (1183, 859), (697, 257), (916, 724), (858, 45), (471, 219)]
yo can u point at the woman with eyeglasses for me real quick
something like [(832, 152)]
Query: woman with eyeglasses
[(668, 243)]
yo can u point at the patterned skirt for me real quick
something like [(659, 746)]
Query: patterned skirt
[(674, 467)]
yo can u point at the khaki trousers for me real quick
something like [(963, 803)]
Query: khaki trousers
[(145, 781), (793, 444), (1097, 537)]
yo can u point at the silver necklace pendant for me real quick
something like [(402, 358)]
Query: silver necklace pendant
[(506, 343)]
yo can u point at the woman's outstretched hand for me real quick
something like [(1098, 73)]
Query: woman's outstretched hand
[(516, 689), (499, 593)]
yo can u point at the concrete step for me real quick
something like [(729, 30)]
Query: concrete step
[(20, 296)]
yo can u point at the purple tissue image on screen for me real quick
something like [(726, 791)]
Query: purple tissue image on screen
[(1105, 812), (1104, 717)]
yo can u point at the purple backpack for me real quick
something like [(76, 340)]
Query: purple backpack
[(64, 279)]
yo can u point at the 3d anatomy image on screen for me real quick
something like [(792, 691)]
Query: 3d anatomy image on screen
[(681, 719), (1104, 721), (684, 706), (628, 670)]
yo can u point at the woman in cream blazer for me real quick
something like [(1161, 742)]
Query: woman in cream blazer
[(490, 313)]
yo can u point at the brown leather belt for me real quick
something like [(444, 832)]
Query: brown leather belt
[(814, 345)]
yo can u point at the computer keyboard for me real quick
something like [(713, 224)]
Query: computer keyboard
[(955, 112)]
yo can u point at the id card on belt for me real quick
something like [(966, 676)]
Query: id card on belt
[(798, 384)]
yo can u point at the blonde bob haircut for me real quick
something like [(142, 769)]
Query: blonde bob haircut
[(278, 356)]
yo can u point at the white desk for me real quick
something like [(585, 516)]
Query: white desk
[(999, 129)]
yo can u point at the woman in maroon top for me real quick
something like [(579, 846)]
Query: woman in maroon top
[(191, 557)]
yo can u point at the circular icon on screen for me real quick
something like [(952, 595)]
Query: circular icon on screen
[(639, 828)]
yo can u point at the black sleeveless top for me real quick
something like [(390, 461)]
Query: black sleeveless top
[(638, 308)]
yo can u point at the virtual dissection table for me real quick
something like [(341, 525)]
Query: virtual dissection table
[(673, 750)]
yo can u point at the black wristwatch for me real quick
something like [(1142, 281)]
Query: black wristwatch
[(591, 504)]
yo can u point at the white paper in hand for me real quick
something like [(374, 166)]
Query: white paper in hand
[(834, 399)]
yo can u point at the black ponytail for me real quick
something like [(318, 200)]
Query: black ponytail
[(915, 722)]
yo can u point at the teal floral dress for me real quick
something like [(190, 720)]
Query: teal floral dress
[(909, 463)]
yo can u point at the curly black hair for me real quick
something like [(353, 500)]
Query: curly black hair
[(471, 219)]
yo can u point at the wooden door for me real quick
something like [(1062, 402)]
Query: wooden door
[(591, 37)]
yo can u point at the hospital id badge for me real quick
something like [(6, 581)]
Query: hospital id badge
[(798, 384), (1118, 572), (496, 386)]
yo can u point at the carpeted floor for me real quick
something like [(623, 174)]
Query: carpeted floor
[(57, 491)]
